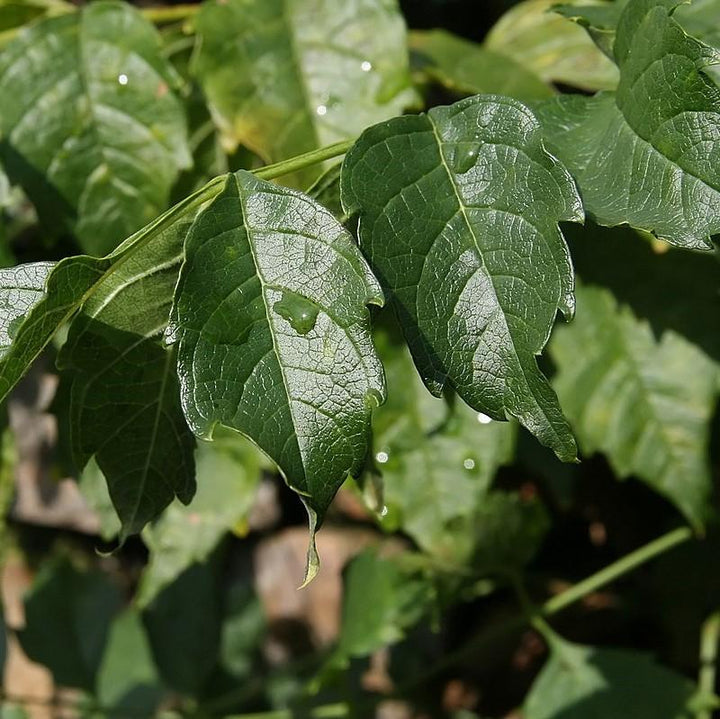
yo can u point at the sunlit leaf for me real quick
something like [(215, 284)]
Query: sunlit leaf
[(463, 236)]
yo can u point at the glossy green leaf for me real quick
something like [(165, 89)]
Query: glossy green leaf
[(128, 684), (272, 334), (645, 402), (437, 462), (227, 475), (579, 682), (29, 317), (287, 76), (466, 68), (95, 134), (463, 236), (550, 46), (183, 625), (67, 618), (125, 400), (647, 155)]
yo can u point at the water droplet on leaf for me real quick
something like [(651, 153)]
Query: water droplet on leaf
[(469, 463), (382, 457), (366, 66), (383, 512), (321, 110), (483, 418), (373, 398), (299, 312), (123, 78), (465, 156)]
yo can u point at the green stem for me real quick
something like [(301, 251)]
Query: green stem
[(615, 570), (570, 596), (326, 711), (169, 13), (709, 640), (307, 159)]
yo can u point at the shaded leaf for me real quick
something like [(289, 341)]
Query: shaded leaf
[(466, 68), (128, 684), (580, 681), (437, 462), (125, 401), (381, 600), (95, 134), (67, 618), (183, 626), (551, 47), (463, 236), (648, 154), (94, 489), (227, 475), (287, 76), (272, 334), (243, 630), (644, 402)]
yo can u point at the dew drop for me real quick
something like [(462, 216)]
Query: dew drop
[(366, 66), (483, 418), (469, 463), (373, 398), (299, 312), (382, 457), (123, 78), (465, 156), (384, 511), (321, 110)]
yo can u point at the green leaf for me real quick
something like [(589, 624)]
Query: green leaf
[(645, 402), (125, 402), (272, 334), (287, 76), (381, 600), (228, 472), (21, 288), (128, 684), (183, 625), (463, 236), (625, 262), (243, 630), (647, 155), (94, 134), (466, 68), (581, 681), (548, 45), (437, 462), (67, 618), (29, 318)]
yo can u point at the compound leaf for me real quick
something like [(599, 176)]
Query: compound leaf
[(645, 402), (649, 154), (272, 333), (94, 134), (463, 235), (287, 76)]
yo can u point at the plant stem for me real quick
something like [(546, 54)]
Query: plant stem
[(170, 13), (570, 596), (307, 159), (326, 711), (709, 639), (615, 570)]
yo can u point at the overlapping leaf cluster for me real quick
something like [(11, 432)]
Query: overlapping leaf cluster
[(247, 305)]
